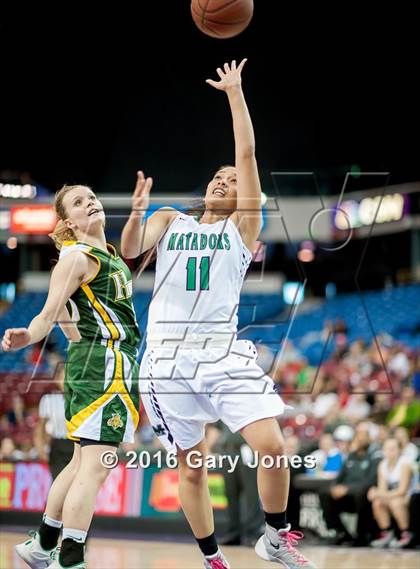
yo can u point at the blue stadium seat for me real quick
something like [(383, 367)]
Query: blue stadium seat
[(262, 318)]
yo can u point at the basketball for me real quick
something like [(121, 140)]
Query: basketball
[(222, 18)]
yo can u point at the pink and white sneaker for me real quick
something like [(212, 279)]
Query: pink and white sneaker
[(280, 547), (384, 539), (403, 541), (216, 561)]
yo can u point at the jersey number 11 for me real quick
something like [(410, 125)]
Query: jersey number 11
[(192, 273)]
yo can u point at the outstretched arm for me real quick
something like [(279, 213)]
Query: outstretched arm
[(139, 235), (248, 215), (67, 276)]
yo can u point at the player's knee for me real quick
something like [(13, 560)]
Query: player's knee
[(272, 448), (194, 475), (192, 472), (101, 474), (95, 471)]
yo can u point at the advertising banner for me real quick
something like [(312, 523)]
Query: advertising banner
[(160, 492), (24, 487)]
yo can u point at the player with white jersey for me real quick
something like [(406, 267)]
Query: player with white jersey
[(194, 370)]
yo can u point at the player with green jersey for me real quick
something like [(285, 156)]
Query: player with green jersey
[(94, 285), (101, 373)]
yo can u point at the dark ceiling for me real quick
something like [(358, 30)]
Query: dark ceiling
[(91, 98)]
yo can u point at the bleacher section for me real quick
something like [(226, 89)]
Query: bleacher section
[(394, 311), (263, 318)]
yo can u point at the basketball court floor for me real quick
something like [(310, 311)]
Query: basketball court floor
[(104, 553)]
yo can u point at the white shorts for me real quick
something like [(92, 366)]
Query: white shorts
[(182, 389)]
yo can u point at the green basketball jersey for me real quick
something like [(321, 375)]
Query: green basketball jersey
[(103, 306)]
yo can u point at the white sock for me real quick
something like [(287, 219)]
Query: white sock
[(78, 535), (51, 522)]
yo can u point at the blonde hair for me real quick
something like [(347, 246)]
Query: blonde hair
[(61, 232)]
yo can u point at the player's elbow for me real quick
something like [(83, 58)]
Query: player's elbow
[(127, 251)]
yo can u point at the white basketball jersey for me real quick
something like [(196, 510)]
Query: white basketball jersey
[(200, 269)]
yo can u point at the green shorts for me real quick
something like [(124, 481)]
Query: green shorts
[(101, 393)]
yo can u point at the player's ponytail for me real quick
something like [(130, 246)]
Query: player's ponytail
[(61, 232)]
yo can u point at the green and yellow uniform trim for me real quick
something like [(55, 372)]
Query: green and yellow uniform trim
[(101, 383)]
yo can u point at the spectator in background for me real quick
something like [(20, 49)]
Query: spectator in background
[(348, 494), (357, 357), (380, 407), (378, 435), (399, 362), (286, 364), (343, 436), (9, 452), (406, 412), (371, 431), (356, 408), (381, 435), (328, 457), (338, 330), (52, 429), (396, 483), (5, 425), (305, 377), (16, 415), (325, 401), (29, 449), (333, 419), (408, 450), (290, 353), (44, 352)]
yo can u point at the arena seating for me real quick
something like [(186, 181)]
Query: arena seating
[(264, 319)]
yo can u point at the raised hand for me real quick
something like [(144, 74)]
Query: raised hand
[(141, 196), (15, 339), (230, 76)]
